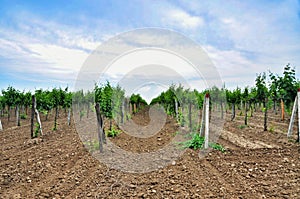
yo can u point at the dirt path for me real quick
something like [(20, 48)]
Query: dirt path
[(60, 167)]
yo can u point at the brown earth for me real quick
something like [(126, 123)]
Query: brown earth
[(257, 164)]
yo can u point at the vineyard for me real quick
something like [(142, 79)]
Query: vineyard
[(49, 137)]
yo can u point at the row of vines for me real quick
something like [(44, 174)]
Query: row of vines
[(271, 92)]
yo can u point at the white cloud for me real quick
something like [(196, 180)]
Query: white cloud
[(180, 18), (58, 56), (233, 67)]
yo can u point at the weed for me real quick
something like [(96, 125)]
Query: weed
[(217, 146), (242, 126), (195, 143), (37, 128), (113, 132), (45, 112), (128, 116), (23, 116), (272, 129)]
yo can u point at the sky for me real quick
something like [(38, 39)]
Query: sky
[(44, 44)]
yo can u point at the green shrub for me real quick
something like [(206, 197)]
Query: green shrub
[(113, 132), (195, 143)]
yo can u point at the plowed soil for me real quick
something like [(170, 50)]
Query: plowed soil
[(256, 164)]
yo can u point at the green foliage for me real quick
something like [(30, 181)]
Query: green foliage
[(78, 97), (103, 96), (217, 147), (234, 96), (113, 132), (67, 103), (180, 118), (118, 97), (11, 96), (2, 102), (23, 116), (36, 130), (261, 89), (57, 97), (81, 114), (284, 87), (242, 126), (272, 129), (128, 116), (245, 95), (196, 142), (138, 101), (44, 100)]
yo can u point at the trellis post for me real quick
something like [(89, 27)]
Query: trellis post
[(206, 120), (295, 107)]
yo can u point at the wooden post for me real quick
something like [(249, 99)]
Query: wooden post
[(176, 109), (8, 113), (55, 118), (130, 108), (1, 128), (282, 109), (69, 116), (190, 116), (298, 95), (206, 121), (134, 108), (222, 110), (266, 114), (38, 116), (32, 116), (18, 115), (295, 107), (290, 130), (233, 111), (246, 114), (122, 111), (202, 118), (100, 127), (88, 110)]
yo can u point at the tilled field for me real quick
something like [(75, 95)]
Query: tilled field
[(257, 164)]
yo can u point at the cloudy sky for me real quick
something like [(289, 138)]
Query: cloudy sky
[(45, 43)]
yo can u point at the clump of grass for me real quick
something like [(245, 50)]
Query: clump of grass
[(217, 147), (113, 132)]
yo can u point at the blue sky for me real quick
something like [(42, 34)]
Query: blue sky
[(44, 43)]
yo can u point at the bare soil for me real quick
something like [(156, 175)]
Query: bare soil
[(257, 164)]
